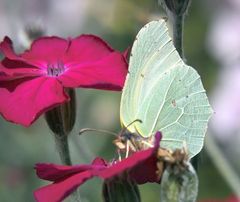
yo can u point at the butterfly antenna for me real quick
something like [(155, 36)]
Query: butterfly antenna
[(97, 130), (125, 128), (136, 120)]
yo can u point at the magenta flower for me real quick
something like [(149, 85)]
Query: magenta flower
[(33, 82), (141, 167), (229, 199)]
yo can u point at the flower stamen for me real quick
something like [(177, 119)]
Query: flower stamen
[(56, 69)]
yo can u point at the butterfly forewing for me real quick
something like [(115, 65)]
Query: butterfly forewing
[(143, 49)]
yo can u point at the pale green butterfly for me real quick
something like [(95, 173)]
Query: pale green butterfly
[(164, 93)]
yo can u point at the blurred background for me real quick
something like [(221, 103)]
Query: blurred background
[(212, 46)]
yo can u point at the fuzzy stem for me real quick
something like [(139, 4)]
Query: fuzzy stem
[(223, 164), (120, 189), (178, 23), (63, 148)]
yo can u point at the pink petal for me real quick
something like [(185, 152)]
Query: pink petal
[(11, 85), (108, 73), (15, 69), (46, 50), (53, 172), (233, 199), (13, 66), (30, 99), (99, 162), (125, 164), (56, 192), (87, 48), (126, 53), (158, 138), (145, 171), (7, 49), (66, 178)]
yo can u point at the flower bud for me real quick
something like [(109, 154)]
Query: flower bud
[(120, 189), (61, 119), (29, 33), (179, 185), (177, 7)]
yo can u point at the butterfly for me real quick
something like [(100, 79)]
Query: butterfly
[(164, 93)]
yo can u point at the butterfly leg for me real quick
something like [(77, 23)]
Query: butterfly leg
[(147, 143), (119, 155), (127, 149)]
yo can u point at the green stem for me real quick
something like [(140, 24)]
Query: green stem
[(63, 148), (120, 189), (178, 23), (222, 164)]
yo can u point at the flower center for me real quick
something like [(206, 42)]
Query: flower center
[(55, 69)]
